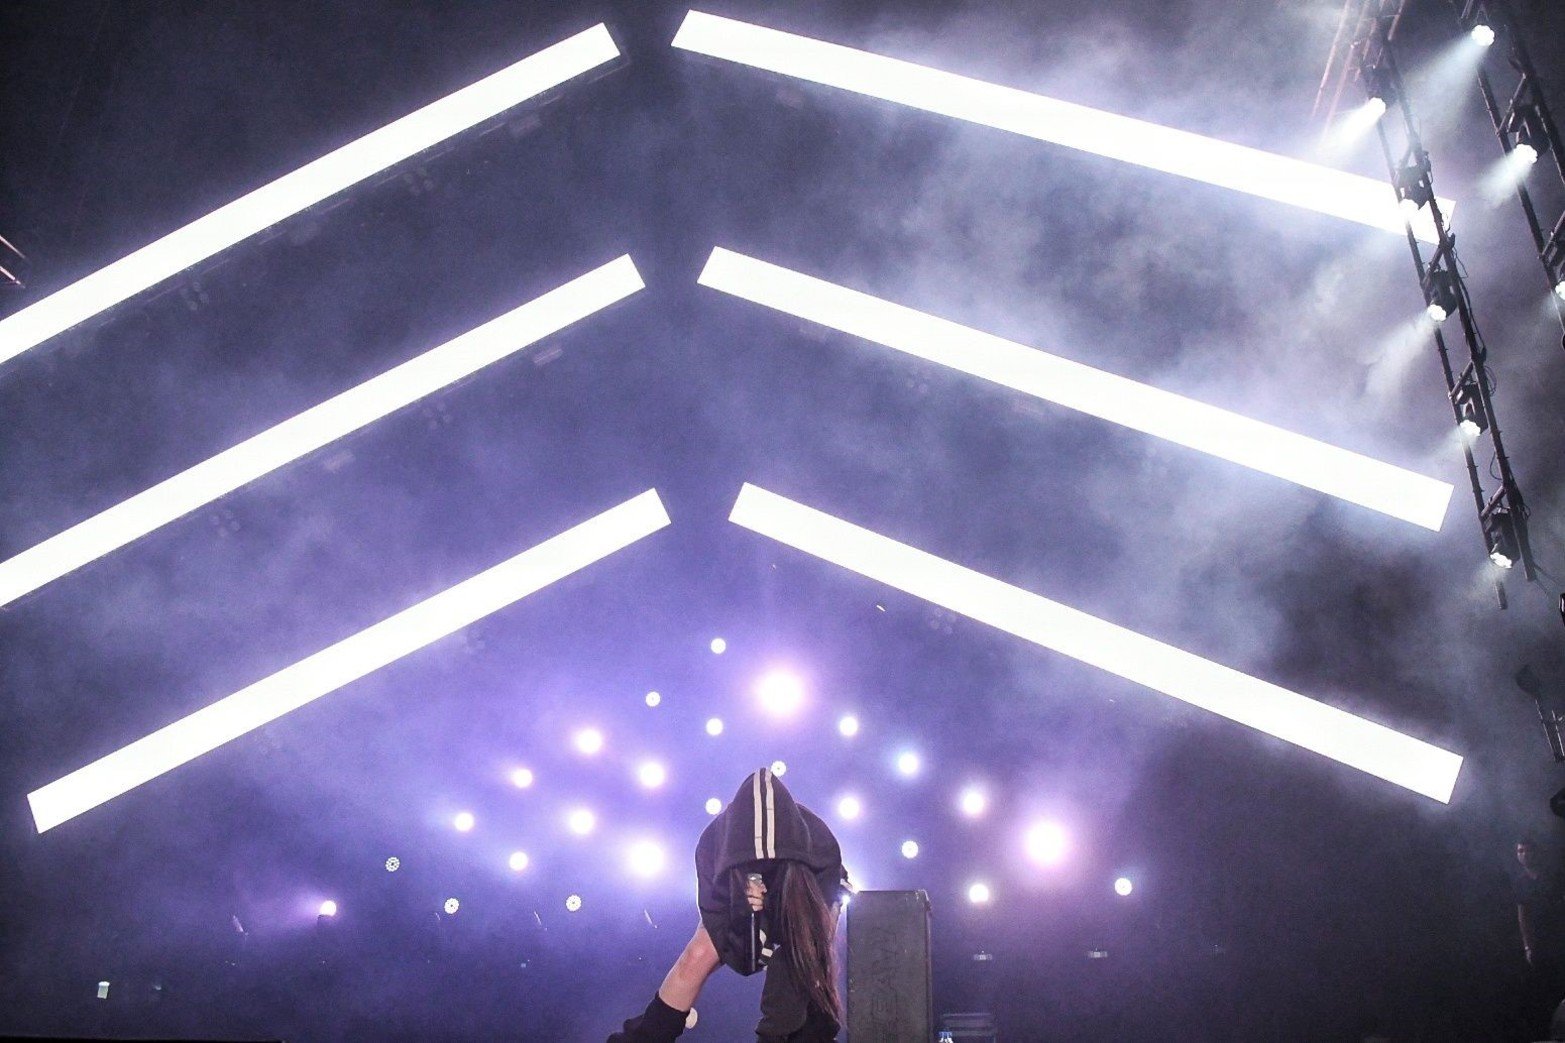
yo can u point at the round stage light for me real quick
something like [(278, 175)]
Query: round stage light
[(393, 864), (518, 861), (1526, 154), (714, 726), (849, 808), (522, 778), (328, 908), (973, 801), (1123, 886), (645, 859), (979, 894), (588, 741), (781, 694), (573, 903), (464, 822), (651, 774), (779, 768), (718, 646), (1482, 35), (848, 726), (581, 821), (908, 764), (451, 906), (654, 698), (1046, 843), (713, 805), (909, 849)]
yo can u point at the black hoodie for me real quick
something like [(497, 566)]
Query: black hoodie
[(760, 827)]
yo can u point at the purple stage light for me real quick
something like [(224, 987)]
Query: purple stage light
[(654, 698), (393, 864), (909, 849), (979, 894), (973, 801), (522, 778), (781, 693), (848, 726), (518, 861), (588, 741), (451, 906), (779, 768), (714, 726), (645, 859), (573, 903), (908, 764), (1046, 843), (328, 908), (1123, 886), (581, 821), (651, 774), (464, 822), (713, 805), (849, 808), (718, 646)]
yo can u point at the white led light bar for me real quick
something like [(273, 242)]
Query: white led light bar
[(1316, 465), (1342, 736), (347, 660), (303, 188), (1221, 163), (315, 427)]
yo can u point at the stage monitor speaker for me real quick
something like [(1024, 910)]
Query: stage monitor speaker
[(890, 997)]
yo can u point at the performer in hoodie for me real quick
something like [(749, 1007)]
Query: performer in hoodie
[(770, 884)]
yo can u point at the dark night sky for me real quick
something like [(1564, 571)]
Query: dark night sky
[(1279, 892)]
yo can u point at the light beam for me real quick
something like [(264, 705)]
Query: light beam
[(317, 426), (304, 187), (1342, 736), (346, 661), (1316, 465), (1222, 163)]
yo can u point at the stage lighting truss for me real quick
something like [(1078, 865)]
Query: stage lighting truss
[(346, 661), (1526, 121), (1352, 740), (1316, 465), (1445, 294), (304, 187), (1209, 160), (315, 427)]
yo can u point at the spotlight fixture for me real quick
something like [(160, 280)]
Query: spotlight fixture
[(848, 726), (451, 906), (581, 821), (1559, 289), (522, 778), (713, 805), (849, 808), (1413, 185), (909, 849), (779, 768), (518, 861), (645, 859), (1482, 34), (1526, 134), (780, 693), (1046, 843), (979, 894), (714, 726), (654, 698), (651, 774), (1440, 292), (573, 903), (908, 764), (588, 742), (1123, 886), (464, 822), (1468, 402), (718, 646), (393, 864), (328, 908), (1499, 530), (973, 802)]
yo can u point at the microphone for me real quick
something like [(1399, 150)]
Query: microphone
[(755, 928)]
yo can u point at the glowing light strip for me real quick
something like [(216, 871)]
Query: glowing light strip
[(347, 660), (1295, 718), (315, 427), (303, 188), (1283, 454), (1221, 163)]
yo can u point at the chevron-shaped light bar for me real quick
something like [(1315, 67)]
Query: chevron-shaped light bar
[(1221, 163), (347, 660), (1342, 736), (1316, 465), (315, 427), (304, 187)]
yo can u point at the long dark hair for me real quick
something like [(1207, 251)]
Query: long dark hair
[(807, 927)]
